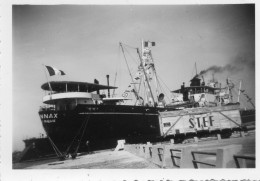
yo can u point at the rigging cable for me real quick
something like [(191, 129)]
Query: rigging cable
[(117, 69), (164, 84), (82, 136), (127, 65), (128, 45), (156, 78), (138, 91), (134, 60), (58, 153), (75, 136)]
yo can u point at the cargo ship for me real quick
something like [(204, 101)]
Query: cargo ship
[(76, 117)]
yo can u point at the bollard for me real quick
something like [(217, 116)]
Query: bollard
[(120, 145)]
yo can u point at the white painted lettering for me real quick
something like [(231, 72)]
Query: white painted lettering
[(49, 121)]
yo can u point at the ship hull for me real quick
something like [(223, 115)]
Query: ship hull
[(97, 127)]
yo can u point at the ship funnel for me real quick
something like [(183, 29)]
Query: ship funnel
[(96, 82), (108, 90)]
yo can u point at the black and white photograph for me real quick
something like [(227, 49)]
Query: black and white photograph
[(129, 91)]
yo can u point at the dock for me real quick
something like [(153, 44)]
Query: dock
[(101, 160), (235, 152)]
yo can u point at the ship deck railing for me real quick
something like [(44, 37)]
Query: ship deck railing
[(58, 92)]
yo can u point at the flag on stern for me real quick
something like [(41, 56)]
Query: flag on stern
[(149, 44), (54, 71)]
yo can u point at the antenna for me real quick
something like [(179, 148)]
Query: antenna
[(239, 90), (114, 85)]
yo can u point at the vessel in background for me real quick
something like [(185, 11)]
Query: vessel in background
[(204, 110)]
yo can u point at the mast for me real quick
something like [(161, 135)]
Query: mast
[(145, 84), (114, 85), (146, 77)]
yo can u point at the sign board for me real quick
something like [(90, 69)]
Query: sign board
[(193, 122)]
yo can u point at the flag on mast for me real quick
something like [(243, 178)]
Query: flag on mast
[(54, 71), (149, 44)]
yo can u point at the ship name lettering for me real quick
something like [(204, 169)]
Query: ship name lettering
[(49, 116)]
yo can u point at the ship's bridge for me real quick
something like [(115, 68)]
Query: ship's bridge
[(66, 95), (71, 86)]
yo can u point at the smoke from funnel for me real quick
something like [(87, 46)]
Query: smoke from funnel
[(235, 66)]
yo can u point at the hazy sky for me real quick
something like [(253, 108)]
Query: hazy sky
[(83, 41)]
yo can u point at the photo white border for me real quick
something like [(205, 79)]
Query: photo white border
[(7, 173)]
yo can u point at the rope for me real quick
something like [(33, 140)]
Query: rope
[(164, 83), (82, 135), (139, 88), (166, 88), (57, 151), (134, 60), (74, 138), (128, 66), (54, 149), (128, 45)]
